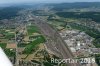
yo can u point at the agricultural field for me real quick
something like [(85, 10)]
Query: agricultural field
[(32, 29), (31, 44), (7, 34), (7, 37)]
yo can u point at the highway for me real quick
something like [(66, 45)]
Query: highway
[(55, 42)]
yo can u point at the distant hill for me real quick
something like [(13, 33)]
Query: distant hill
[(77, 5), (9, 12), (95, 16)]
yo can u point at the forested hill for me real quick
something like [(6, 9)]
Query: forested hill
[(9, 12), (95, 16), (76, 5)]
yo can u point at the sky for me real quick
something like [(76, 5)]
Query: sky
[(44, 1)]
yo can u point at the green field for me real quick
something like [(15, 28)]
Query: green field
[(7, 35), (22, 45), (32, 29), (29, 48)]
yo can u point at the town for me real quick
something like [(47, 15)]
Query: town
[(33, 36)]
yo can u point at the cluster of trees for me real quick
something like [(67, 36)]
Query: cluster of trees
[(10, 53), (97, 58), (3, 45), (96, 42)]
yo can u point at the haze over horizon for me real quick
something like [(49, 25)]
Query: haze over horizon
[(43, 1)]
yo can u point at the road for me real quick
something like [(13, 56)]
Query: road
[(55, 42), (18, 39)]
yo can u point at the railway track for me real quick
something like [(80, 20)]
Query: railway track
[(55, 42)]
